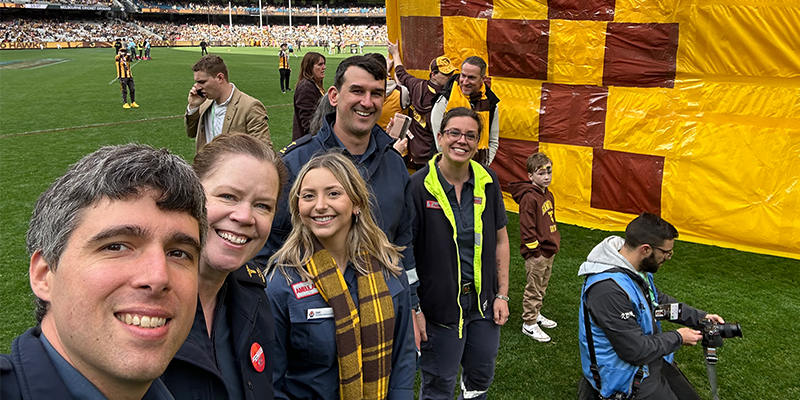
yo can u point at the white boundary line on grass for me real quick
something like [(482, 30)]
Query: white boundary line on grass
[(134, 64), (108, 124), (47, 65), (86, 126)]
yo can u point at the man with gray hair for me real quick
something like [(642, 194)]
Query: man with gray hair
[(114, 246), (469, 90)]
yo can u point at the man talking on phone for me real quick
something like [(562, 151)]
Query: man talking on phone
[(216, 106)]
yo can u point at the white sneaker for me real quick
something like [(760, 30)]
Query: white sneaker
[(535, 332), (546, 323)]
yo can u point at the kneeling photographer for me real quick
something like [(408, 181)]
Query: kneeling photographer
[(624, 353)]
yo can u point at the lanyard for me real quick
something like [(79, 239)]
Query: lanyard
[(653, 298)]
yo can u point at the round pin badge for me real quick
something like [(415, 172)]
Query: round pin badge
[(257, 357)]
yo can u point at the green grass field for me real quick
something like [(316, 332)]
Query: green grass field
[(50, 116)]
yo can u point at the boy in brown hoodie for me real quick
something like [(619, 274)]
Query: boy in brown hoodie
[(539, 241)]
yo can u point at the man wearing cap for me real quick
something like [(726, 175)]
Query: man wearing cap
[(468, 89), (420, 148)]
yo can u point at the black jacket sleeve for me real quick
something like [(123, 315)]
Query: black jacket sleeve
[(610, 308), (690, 316)]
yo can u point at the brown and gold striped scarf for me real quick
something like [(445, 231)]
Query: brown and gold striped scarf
[(364, 337), (457, 99)]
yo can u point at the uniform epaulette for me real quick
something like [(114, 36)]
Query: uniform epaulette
[(295, 143), (252, 274)]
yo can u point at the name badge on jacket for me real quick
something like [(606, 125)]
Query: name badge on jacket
[(319, 313)]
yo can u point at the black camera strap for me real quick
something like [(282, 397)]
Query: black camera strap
[(637, 379), (587, 325), (711, 368)]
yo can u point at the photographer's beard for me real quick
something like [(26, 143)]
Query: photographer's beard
[(650, 264)]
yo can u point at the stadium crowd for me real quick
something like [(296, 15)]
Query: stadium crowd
[(31, 30), (324, 10), (48, 30)]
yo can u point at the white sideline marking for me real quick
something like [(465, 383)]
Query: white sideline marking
[(70, 128), (87, 126), (47, 65)]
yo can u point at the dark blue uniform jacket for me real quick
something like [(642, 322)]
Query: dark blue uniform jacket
[(386, 175), (193, 373)]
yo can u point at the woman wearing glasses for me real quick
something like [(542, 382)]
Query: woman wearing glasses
[(461, 247)]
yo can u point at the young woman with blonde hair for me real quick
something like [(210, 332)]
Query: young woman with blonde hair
[(341, 303)]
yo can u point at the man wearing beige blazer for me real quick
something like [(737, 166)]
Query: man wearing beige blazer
[(216, 106)]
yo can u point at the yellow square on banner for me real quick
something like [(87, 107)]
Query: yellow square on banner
[(419, 8), (464, 37), (638, 11), (420, 73), (643, 120), (572, 174), (576, 52), (722, 185), (757, 41), (518, 107), (520, 9)]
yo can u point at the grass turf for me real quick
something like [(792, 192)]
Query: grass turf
[(53, 115)]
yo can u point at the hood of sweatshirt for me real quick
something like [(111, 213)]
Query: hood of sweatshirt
[(390, 86), (519, 189), (605, 256)]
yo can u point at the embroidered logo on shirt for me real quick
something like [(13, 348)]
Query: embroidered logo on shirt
[(256, 271), (478, 200), (627, 315), (433, 204), (304, 289)]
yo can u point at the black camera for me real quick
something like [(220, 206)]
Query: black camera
[(713, 333)]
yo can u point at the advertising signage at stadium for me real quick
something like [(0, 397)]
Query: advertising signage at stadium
[(59, 7), (87, 44), (98, 8)]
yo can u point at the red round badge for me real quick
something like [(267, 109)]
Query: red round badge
[(257, 357)]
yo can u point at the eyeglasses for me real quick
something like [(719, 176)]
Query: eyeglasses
[(669, 253), (455, 134)]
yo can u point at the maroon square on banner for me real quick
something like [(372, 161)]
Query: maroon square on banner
[(640, 55), (626, 182), (514, 154), (588, 10), (518, 48), (422, 41), (573, 114), (467, 8)]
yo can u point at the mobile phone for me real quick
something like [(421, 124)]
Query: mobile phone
[(400, 127), (200, 92)]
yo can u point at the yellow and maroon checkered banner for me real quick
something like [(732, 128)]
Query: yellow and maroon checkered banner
[(687, 109)]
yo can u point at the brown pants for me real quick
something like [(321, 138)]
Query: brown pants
[(538, 274)]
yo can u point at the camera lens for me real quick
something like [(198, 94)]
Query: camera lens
[(730, 329)]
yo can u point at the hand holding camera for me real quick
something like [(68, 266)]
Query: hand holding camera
[(713, 332)]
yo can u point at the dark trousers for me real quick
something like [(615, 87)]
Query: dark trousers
[(203, 51), (475, 352), (125, 84), (672, 385), (285, 73)]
